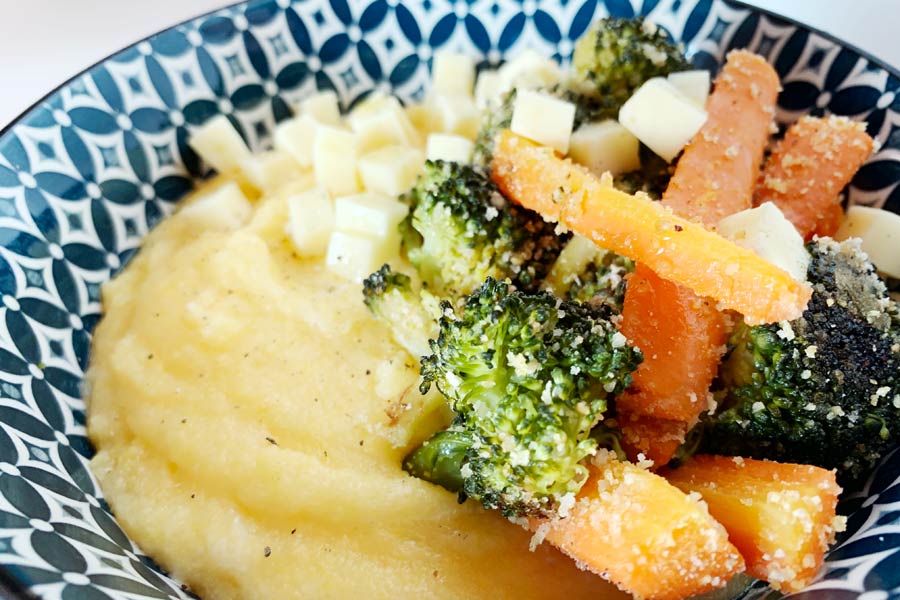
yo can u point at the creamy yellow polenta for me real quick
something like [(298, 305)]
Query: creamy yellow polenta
[(239, 401)]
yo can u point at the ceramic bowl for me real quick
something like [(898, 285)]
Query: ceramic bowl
[(97, 163)]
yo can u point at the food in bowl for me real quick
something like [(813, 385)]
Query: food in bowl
[(272, 412)]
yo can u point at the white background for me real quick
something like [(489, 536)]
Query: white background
[(45, 42)]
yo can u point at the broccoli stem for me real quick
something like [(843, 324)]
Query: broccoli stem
[(440, 459)]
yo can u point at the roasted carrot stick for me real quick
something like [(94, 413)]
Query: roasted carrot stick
[(809, 167), (643, 230), (716, 174), (636, 530), (682, 335), (780, 516), (651, 438)]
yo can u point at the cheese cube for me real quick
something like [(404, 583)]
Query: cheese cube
[(766, 231), (543, 118), (529, 70), (879, 231), (424, 118), (296, 137), (693, 84), (391, 170), (662, 117), (446, 146), (323, 107), (369, 213), (605, 146), (310, 221), (221, 146), (487, 89), (224, 208), (381, 121), (354, 256), (452, 73), (334, 160), (458, 114), (275, 168)]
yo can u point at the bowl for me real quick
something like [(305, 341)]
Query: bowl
[(97, 163)]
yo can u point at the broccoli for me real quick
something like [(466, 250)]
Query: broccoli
[(411, 315), (824, 389), (652, 177), (528, 377), (469, 232), (495, 119), (616, 56), (586, 273)]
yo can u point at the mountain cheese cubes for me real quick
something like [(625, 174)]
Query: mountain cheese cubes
[(391, 170), (766, 231), (221, 146), (605, 146), (693, 84), (662, 117), (381, 121), (310, 221), (369, 213), (225, 208), (323, 107), (880, 233), (452, 74), (296, 138), (354, 256), (544, 119), (447, 146), (334, 160)]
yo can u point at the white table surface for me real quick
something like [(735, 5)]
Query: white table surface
[(45, 42)]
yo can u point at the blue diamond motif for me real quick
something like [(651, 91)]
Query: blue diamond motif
[(78, 88), (8, 207), (163, 155), (110, 157), (34, 278), (718, 30), (46, 150), (135, 85), (278, 45), (320, 18), (234, 65), (9, 390), (349, 77), (186, 78)]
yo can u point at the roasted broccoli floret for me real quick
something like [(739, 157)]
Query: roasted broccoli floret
[(470, 232), (588, 274), (528, 377), (652, 177), (824, 389), (495, 119), (410, 314), (616, 56)]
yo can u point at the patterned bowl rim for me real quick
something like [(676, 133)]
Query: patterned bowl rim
[(10, 586)]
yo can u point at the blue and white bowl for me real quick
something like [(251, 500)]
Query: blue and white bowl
[(93, 166)]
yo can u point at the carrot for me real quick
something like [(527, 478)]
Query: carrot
[(656, 439), (716, 174), (809, 167), (682, 335), (635, 529), (830, 221), (636, 227), (780, 516)]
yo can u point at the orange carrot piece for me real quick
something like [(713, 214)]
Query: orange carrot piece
[(809, 167), (643, 230), (716, 174), (682, 337), (655, 439), (780, 516), (633, 528), (830, 221)]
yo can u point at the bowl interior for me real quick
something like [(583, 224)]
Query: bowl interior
[(90, 169)]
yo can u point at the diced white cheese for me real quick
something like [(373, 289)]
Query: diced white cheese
[(297, 137), (662, 117), (310, 221), (221, 146), (766, 231), (381, 121), (543, 118), (354, 256), (693, 84), (487, 89), (424, 118), (275, 168), (529, 70), (879, 231), (457, 114), (323, 107), (446, 146), (452, 73), (605, 146), (391, 170), (334, 160), (224, 208), (369, 213)]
